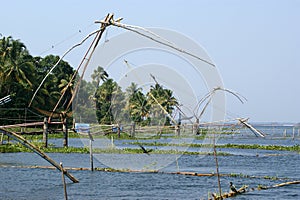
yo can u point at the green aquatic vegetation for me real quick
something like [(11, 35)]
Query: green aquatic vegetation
[(7, 148), (172, 144), (235, 146), (50, 136), (239, 175), (274, 178), (262, 187), (263, 147), (66, 150), (156, 151), (17, 147)]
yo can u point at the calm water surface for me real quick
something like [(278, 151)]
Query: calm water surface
[(18, 182)]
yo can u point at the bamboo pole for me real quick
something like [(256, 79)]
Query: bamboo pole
[(86, 59), (217, 166), (91, 156), (36, 150), (65, 131), (91, 151), (132, 132), (2, 138), (64, 181), (45, 132), (119, 130)]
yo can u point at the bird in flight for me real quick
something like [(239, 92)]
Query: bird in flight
[(145, 150)]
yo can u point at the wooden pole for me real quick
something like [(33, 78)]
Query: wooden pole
[(91, 152), (195, 127), (132, 132), (64, 181), (2, 138), (119, 131), (36, 150), (91, 156), (293, 133), (177, 130), (112, 142), (65, 131), (217, 166), (45, 132)]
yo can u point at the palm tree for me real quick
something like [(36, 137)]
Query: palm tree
[(162, 102), (137, 104), (19, 63), (103, 98), (5, 44), (169, 104), (66, 85), (98, 75)]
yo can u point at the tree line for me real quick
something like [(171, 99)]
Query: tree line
[(20, 75), (101, 98)]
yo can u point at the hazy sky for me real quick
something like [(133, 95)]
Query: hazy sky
[(255, 44)]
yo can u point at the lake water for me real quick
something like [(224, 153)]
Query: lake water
[(18, 182)]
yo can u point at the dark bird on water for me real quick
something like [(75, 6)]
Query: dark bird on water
[(232, 188)]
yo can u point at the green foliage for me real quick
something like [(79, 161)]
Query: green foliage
[(103, 97), (162, 104), (264, 147), (20, 75), (138, 106)]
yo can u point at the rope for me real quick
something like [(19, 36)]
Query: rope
[(164, 42), (66, 39), (69, 50)]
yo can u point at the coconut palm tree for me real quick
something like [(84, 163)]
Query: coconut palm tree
[(103, 98), (137, 104), (98, 75), (19, 64), (162, 103)]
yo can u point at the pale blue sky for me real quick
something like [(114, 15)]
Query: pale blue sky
[(255, 44)]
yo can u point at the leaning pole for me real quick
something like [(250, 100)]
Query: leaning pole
[(36, 150)]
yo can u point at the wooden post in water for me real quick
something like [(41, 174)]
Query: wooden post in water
[(132, 131), (2, 138), (65, 131), (293, 133), (45, 132), (177, 130), (64, 181), (284, 133), (91, 151), (195, 127), (217, 165), (119, 131)]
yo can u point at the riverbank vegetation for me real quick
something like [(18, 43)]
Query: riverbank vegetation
[(151, 146), (16, 147), (233, 146), (101, 98)]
